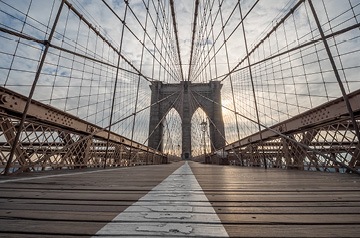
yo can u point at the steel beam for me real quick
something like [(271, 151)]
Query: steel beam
[(13, 104), (324, 114), (10, 133)]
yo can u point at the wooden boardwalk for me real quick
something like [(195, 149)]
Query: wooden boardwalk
[(250, 202)]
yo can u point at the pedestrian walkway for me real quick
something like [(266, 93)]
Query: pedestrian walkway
[(180, 200)]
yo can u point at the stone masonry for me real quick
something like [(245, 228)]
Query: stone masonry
[(186, 98)]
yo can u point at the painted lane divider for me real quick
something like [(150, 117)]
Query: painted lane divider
[(177, 207)]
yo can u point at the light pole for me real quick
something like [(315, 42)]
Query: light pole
[(178, 150), (203, 129)]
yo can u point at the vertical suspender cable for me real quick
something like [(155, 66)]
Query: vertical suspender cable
[(336, 72), (115, 85), (230, 78), (17, 44), (193, 36), (139, 77), (252, 86), (176, 36), (32, 90)]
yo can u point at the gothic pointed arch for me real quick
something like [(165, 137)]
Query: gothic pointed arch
[(200, 133), (185, 98), (172, 140)]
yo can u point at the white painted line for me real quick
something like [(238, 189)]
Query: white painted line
[(177, 207), (59, 175)]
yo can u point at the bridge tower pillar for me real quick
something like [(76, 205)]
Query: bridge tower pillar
[(186, 97)]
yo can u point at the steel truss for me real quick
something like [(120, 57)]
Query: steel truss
[(52, 139), (321, 139)]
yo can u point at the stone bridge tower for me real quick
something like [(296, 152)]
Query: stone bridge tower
[(183, 97)]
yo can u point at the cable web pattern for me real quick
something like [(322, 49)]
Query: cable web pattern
[(76, 80)]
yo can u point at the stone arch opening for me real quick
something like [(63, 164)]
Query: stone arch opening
[(185, 98), (172, 139), (200, 133)]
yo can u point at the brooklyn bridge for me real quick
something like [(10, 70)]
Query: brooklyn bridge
[(163, 118)]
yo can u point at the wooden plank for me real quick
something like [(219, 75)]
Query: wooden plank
[(283, 197), (286, 204), (77, 195), (75, 204), (292, 231), (291, 219), (76, 216), (253, 202), (250, 202), (17, 235), (63, 207), (45, 227), (257, 218), (288, 210)]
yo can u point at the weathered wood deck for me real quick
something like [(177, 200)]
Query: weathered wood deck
[(250, 202)]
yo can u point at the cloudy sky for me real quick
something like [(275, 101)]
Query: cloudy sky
[(289, 73)]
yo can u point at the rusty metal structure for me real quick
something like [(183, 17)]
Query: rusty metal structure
[(52, 139), (321, 139), (76, 81)]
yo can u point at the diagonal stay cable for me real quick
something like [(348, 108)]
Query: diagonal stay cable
[(160, 121), (202, 42), (169, 41), (129, 29), (146, 33), (311, 42), (194, 100), (281, 21), (194, 103), (164, 116), (104, 38), (286, 137), (176, 36), (33, 163), (193, 37), (199, 70), (158, 24), (223, 136)]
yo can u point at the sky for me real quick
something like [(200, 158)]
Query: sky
[(79, 76)]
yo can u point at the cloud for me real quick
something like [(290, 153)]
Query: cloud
[(285, 85)]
